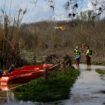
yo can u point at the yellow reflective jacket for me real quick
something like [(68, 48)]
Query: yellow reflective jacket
[(88, 52), (77, 52)]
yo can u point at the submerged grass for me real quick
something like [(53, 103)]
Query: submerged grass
[(55, 88), (101, 72)]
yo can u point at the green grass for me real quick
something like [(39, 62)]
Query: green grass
[(57, 87), (97, 63), (101, 72)]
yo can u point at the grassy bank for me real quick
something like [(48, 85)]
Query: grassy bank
[(55, 88)]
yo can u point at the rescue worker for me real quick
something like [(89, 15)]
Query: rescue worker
[(77, 56), (88, 56)]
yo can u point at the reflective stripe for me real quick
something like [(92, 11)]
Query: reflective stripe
[(88, 52)]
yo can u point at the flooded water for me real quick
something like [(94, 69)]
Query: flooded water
[(89, 89)]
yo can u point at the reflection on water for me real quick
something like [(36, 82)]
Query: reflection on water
[(6, 97), (89, 68), (86, 91), (4, 87), (30, 103)]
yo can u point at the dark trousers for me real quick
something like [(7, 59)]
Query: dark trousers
[(78, 61), (88, 60)]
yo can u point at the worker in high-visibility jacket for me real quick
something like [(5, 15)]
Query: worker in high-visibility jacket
[(88, 56), (77, 56)]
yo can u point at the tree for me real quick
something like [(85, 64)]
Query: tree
[(72, 7), (98, 9), (9, 49)]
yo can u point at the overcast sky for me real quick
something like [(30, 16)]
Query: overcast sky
[(41, 10)]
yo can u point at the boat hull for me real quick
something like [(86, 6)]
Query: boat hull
[(25, 74)]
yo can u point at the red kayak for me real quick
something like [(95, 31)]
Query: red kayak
[(25, 74)]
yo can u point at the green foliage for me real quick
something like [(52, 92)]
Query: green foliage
[(55, 88)]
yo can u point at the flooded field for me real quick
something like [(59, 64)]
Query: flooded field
[(89, 89)]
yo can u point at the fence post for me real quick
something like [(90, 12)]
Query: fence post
[(45, 72)]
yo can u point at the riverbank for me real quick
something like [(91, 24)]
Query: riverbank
[(57, 87)]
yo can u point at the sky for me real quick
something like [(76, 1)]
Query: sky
[(39, 11)]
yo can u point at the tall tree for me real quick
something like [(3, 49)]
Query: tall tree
[(98, 8), (9, 49), (72, 7)]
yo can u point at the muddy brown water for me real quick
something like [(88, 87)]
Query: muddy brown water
[(89, 89)]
